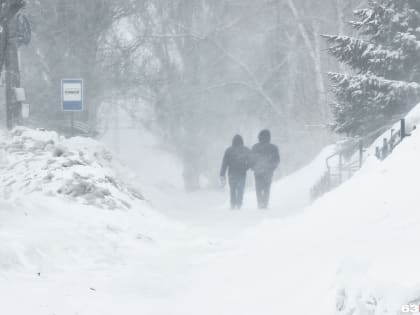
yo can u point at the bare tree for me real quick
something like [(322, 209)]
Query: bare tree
[(9, 42), (69, 41)]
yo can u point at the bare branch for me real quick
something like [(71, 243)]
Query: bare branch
[(256, 86)]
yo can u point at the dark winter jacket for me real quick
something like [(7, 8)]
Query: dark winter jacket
[(237, 159), (265, 156)]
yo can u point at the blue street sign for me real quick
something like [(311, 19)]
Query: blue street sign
[(72, 95)]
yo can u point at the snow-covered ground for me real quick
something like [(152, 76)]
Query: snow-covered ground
[(351, 252), (205, 210), (78, 169), (69, 202)]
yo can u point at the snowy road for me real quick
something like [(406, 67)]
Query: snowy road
[(188, 255), (60, 257), (182, 273), (336, 257), (156, 278), (208, 214)]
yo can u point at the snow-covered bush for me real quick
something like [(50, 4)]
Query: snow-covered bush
[(80, 169)]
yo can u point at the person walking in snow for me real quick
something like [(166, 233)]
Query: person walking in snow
[(236, 161), (266, 159)]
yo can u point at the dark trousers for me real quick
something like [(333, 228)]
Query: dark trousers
[(263, 187), (237, 188)]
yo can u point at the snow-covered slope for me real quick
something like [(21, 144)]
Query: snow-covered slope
[(412, 121), (293, 193), (354, 251), (40, 234)]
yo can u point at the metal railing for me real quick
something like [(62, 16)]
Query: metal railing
[(389, 144), (350, 158)]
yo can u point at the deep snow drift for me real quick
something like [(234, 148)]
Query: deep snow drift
[(67, 202), (351, 252)]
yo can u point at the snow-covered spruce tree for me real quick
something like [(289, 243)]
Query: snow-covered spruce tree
[(384, 59)]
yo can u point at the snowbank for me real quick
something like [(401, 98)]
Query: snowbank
[(354, 251), (56, 194), (412, 120), (45, 235), (297, 187), (79, 169), (293, 193)]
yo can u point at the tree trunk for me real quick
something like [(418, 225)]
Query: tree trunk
[(314, 50), (13, 107), (322, 90), (340, 24)]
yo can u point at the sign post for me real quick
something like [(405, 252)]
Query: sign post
[(72, 98)]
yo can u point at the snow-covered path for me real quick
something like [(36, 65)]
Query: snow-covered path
[(351, 252), (153, 276), (135, 277), (158, 278), (196, 212), (65, 258), (206, 212)]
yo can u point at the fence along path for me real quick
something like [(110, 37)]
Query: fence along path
[(350, 156)]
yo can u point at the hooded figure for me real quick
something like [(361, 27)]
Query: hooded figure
[(266, 159), (236, 161)]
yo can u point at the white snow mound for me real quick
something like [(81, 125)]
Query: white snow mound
[(55, 213), (79, 169)]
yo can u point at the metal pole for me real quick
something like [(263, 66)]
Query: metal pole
[(403, 131), (329, 180), (117, 128), (340, 168), (72, 123)]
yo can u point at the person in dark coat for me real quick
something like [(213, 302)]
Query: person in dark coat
[(236, 161), (266, 159)]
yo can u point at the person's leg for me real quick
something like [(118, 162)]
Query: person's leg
[(267, 189), (263, 197), (259, 188), (236, 200), (240, 191), (232, 187)]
